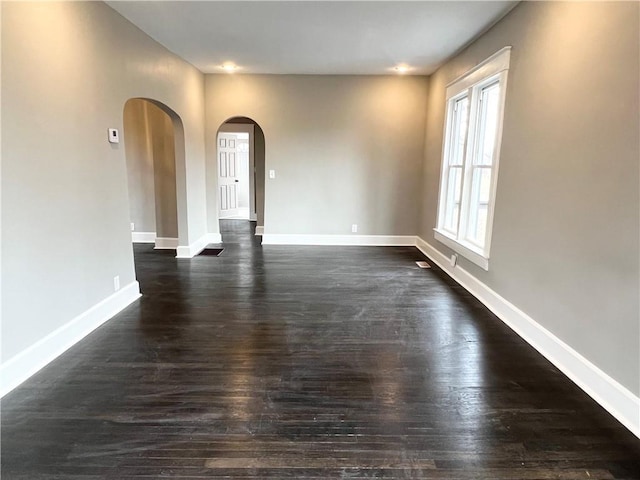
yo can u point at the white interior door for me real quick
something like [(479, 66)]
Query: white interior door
[(244, 133), (227, 175)]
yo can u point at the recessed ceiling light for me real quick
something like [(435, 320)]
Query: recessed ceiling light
[(402, 68), (229, 67)]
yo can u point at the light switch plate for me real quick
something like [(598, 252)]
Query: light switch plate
[(114, 135), (272, 174)]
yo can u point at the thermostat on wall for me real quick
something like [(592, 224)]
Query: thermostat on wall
[(114, 136)]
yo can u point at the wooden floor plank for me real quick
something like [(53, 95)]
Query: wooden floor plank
[(310, 363)]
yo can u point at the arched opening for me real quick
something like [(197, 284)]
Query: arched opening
[(154, 151), (240, 158)]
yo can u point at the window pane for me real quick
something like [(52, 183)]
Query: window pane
[(458, 131), (452, 206), (474, 114), (487, 125), (482, 225), (479, 205)]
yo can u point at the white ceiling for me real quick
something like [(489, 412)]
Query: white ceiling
[(311, 37)]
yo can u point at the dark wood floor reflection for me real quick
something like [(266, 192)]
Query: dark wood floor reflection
[(305, 362)]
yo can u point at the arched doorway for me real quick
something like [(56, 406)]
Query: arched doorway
[(154, 151), (240, 173)]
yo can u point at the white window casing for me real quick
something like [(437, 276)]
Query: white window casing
[(470, 158)]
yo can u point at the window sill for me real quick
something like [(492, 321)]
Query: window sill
[(467, 251)]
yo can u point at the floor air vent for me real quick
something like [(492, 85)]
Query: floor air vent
[(215, 252)]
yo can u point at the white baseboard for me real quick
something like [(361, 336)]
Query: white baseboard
[(196, 247), (260, 230), (214, 238), (143, 237), (166, 243), (361, 240), (22, 366), (615, 398)]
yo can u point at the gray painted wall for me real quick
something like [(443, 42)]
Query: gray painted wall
[(151, 168), (139, 158), (68, 69), (346, 149), (164, 172), (566, 234), (260, 156)]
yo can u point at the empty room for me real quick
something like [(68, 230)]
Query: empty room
[(320, 239)]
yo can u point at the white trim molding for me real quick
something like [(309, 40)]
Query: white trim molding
[(166, 243), (28, 362), (496, 63), (214, 237), (196, 247), (143, 237), (468, 252), (260, 230), (337, 240), (610, 394)]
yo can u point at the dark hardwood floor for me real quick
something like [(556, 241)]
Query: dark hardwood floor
[(305, 362)]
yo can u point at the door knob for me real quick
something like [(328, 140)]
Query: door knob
[(237, 181)]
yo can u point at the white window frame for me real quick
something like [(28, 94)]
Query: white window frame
[(493, 69)]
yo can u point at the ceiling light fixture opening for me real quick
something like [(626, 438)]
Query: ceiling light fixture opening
[(229, 67), (402, 68)]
